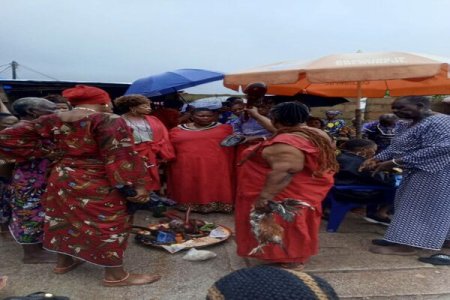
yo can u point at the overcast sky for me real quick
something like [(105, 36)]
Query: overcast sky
[(121, 41)]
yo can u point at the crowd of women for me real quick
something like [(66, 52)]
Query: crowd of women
[(75, 163)]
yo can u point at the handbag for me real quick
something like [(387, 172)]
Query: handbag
[(38, 296)]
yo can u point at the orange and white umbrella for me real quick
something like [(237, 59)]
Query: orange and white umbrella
[(371, 75), (342, 75)]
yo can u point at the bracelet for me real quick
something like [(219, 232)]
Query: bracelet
[(396, 163)]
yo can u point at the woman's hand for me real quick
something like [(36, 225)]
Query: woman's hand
[(143, 195), (253, 111), (384, 166), (368, 164), (249, 139), (261, 203)]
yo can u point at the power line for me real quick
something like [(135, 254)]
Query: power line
[(30, 69), (14, 66), (5, 69)]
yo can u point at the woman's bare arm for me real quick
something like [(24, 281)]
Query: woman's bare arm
[(3, 107), (262, 120), (285, 161)]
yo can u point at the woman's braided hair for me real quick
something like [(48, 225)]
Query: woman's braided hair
[(291, 115)]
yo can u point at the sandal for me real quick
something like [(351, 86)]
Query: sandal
[(132, 279), (64, 270), (439, 259)]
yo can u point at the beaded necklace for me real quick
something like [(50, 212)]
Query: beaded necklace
[(84, 108)]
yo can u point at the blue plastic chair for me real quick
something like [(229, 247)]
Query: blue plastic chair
[(339, 209)]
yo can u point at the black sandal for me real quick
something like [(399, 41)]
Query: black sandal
[(439, 259)]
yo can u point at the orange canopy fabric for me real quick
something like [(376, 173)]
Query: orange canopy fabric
[(371, 75)]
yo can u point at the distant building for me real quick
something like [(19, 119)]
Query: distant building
[(11, 90)]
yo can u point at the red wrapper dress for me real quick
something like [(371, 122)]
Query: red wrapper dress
[(158, 147), (201, 176), (301, 237)]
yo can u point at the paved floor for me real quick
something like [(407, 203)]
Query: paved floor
[(343, 260)]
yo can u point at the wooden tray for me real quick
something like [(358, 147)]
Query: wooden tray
[(196, 242)]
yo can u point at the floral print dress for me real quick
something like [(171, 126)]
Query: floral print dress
[(24, 196), (85, 213)]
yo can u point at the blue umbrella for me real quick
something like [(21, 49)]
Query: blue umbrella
[(171, 82)]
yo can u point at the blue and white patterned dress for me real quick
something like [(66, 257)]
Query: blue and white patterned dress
[(422, 203)]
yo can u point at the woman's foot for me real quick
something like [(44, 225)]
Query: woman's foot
[(132, 279), (66, 264), (34, 254), (378, 220), (4, 228), (446, 244), (390, 248), (68, 267), (3, 280)]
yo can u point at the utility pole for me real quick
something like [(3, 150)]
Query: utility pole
[(14, 66)]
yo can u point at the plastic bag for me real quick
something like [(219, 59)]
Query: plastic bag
[(198, 255)]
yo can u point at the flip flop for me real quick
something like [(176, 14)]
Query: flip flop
[(64, 270), (125, 281), (439, 259)]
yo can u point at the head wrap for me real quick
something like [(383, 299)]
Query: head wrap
[(264, 282), (83, 94), (333, 112)]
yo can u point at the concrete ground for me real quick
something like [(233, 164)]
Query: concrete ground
[(343, 261)]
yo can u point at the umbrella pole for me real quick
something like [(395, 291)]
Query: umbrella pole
[(358, 111), (182, 99)]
